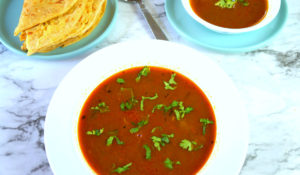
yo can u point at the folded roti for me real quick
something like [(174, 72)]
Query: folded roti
[(100, 6), (65, 29), (48, 33), (35, 12)]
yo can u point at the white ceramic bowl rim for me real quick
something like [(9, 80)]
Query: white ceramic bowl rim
[(273, 9)]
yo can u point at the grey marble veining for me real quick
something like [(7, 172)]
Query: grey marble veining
[(268, 80)]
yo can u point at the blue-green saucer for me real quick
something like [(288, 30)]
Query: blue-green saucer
[(10, 11)]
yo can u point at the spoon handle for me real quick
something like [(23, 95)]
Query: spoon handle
[(156, 30)]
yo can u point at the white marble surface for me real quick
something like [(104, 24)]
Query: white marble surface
[(268, 80)]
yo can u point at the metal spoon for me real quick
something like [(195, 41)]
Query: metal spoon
[(156, 30)]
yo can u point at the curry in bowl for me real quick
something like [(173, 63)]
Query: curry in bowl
[(231, 13), (147, 120)]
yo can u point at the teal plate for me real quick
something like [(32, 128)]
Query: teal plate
[(9, 17), (193, 31)]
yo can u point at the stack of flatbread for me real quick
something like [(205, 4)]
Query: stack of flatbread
[(48, 24)]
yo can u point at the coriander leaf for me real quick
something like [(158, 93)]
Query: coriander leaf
[(230, 3), (119, 142), (226, 3), (147, 98), (168, 85), (148, 151), (243, 2), (190, 145), (177, 114), (172, 79), (161, 141), (169, 163), (120, 80), (96, 132), (158, 106), (198, 147), (181, 111), (139, 125), (172, 105), (205, 123), (110, 140), (128, 105), (155, 128), (165, 137), (188, 110), (120, 170), (144, 72), (101, 107), (134, 130), (186, 144), (156, 141)]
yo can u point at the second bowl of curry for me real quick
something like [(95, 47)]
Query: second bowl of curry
[(232, 16)]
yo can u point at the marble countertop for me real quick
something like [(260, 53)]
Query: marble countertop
[(268, 80)]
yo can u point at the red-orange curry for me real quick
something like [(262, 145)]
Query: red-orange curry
[(225, 13), (147, 120)]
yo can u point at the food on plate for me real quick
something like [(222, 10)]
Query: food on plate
[(231, 13), (147, 120), (59, 28)]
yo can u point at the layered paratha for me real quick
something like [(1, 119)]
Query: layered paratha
[(64, 29)]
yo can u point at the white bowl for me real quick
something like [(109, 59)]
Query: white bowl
[(273, 9), (61, 139)]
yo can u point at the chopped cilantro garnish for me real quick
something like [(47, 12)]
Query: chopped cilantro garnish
[(101, 107), (190, 145), (155, 128), (230, 3), (243, 2), (127, 105), (172, 105), (110, 140), (120, 80), (120, 170), (139, 125), (179, 110), (148, 151), (168, 85), (205, 123), (182, 111), (156, 141), (144, 72), (96, 132), (169, 163), (147, 98), (158, 106), (226, 3), (161, 141)]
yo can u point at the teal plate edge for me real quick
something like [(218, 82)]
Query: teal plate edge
[(9, 17), (182, 23)]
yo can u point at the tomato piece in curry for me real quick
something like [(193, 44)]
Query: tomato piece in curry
[(147, 120), (242, 14)]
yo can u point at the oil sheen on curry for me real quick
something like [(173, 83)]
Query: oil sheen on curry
[(231, 13), (147, 120)]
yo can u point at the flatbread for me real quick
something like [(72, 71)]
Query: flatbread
[(65, 29), (100, 5), (48, 33), (35, 12)]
